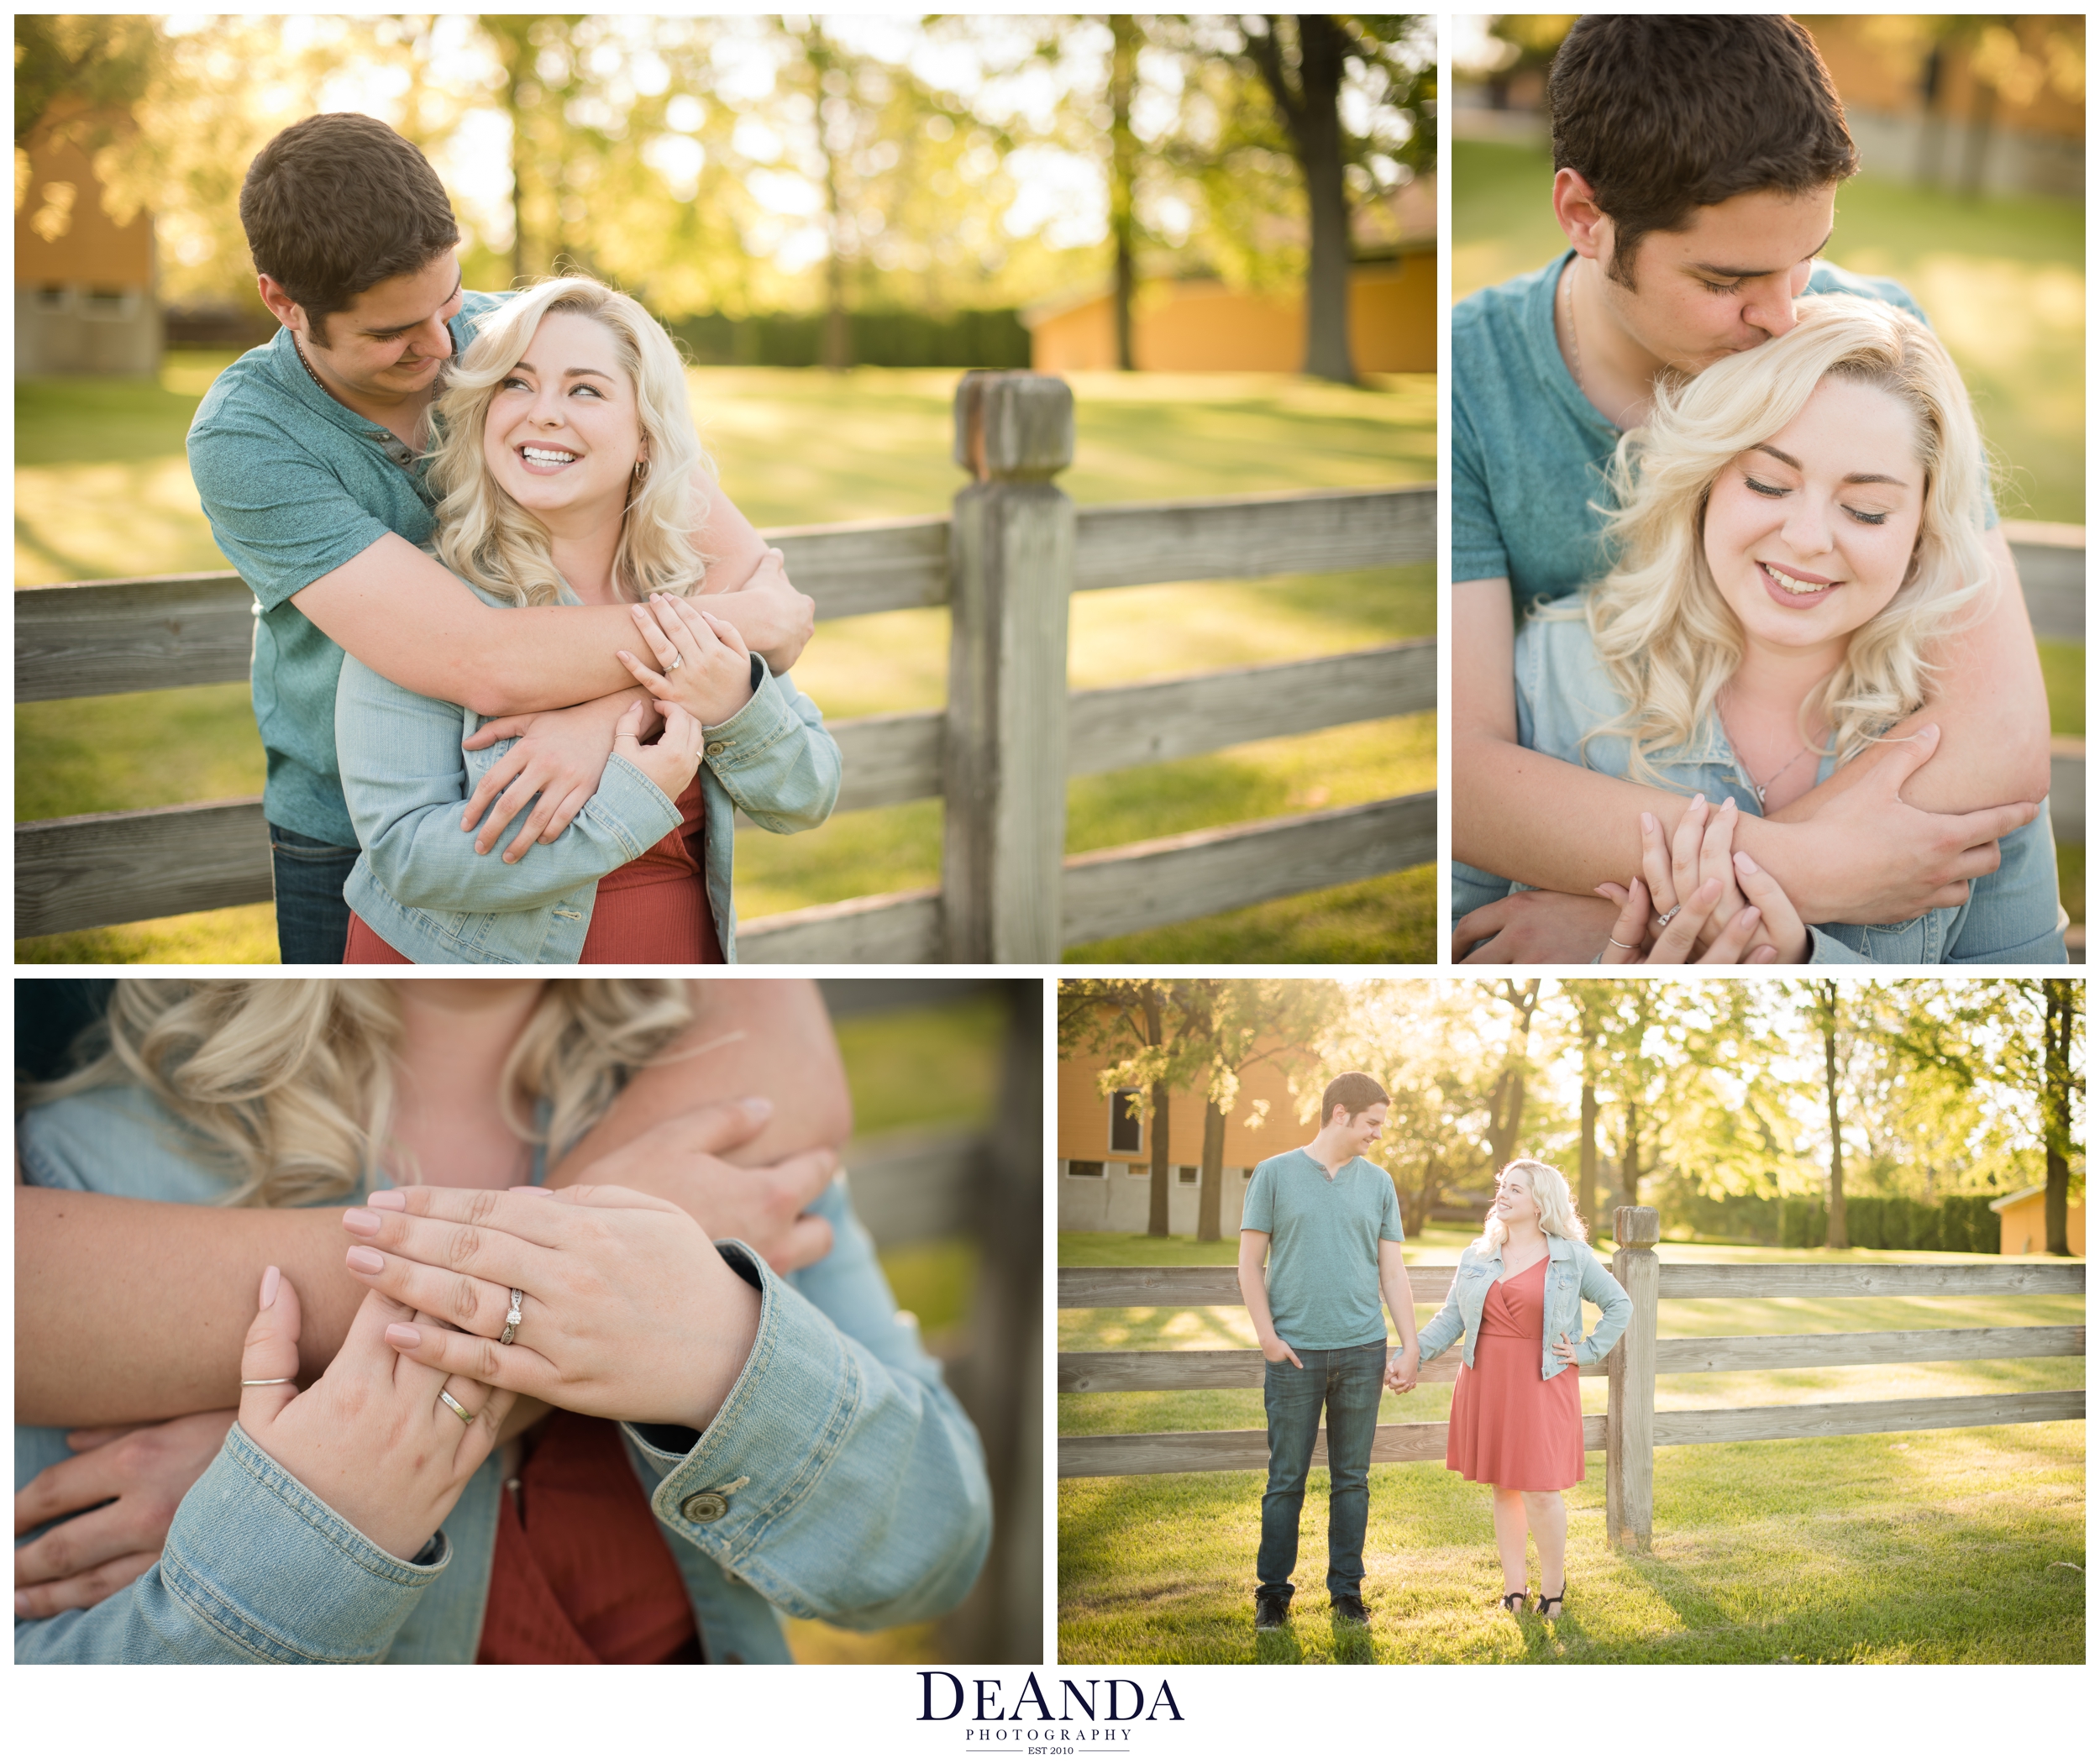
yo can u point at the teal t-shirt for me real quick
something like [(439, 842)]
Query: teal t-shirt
[(295, 486), (1528, 450), (1323, 1247)]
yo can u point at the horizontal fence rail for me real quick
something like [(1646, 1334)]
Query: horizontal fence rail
[(94, 639), (1642, 1428)]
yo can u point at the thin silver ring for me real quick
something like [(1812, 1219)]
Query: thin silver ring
[(452, 1402), (264, 1383), (511, 1321), (1616, 944), (675, 663)]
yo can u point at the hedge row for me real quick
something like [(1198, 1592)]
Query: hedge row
[(1963, 1225), (991, 339)]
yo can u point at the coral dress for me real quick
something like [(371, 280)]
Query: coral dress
[(654, 908), (1510, 1426)]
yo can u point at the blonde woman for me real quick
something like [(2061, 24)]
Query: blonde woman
[(1516, 1416), (665, 1444), (1798, 528), (566, 464)]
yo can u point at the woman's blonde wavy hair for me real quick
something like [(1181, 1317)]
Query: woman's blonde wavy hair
[(485, 537), (1557, 1216), (289, 1084), (1663, 629)]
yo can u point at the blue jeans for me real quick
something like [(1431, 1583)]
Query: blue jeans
[(313, 920), (1347, 1382)]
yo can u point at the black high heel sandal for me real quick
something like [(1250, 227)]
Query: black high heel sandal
[(1557, 1600), (1516, 1602)]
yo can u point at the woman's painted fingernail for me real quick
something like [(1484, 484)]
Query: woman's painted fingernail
[(1729, 806), (389, 1199), (366, 1261), (1698, 801), (1647, 823), (271, 1280), (362, 1223), (1746, 862), (761, 1106), (399, 1333)]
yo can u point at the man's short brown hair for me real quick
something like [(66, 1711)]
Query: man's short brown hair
[(1354, 1090), (339, 203), (1661, 115)]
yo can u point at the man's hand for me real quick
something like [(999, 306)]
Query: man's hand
[(774, 619), (677, 1161), (1533, 925), (560, 756), (1276, 1350), (124, 1485), (1403, 1370), (1861, 855)]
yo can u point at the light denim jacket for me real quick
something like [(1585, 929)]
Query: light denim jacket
[(419, 882), (850, 1486), (1572, 1273), (1563, 692)]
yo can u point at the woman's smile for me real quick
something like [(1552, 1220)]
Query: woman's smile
[(563, 434)]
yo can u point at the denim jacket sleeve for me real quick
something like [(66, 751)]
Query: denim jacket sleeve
[(1442, 1331), (405, 777), (774, 757), (1603, 1291), (841, 1479), (256, 1570)]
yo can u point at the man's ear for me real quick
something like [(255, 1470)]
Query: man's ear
[(1588, 227), (286, 311)]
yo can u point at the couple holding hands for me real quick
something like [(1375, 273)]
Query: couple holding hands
[(1327, 1222), (624, 1390)]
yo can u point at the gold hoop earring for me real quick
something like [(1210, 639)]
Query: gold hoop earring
[(640, 470)]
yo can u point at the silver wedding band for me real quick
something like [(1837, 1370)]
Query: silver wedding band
[(1616, 944), (453, 1402), (264, 1383), (511, 1321)]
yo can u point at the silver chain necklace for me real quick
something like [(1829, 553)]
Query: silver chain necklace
[(1799, 754)]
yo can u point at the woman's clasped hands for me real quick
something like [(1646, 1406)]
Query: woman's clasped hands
[(627, 1312), (702, 665), (1700, 900)]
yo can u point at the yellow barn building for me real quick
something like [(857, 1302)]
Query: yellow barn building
[(1105, 1151), (1198, 325), (2021, 1229), (84, 294)]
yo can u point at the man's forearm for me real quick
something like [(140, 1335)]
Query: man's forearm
[(1400, 1299), (749, 1037), (130, 1311), (1254, 1293)]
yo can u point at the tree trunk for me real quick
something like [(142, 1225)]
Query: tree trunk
[(1321, 47), (1122, 178), (1836, 1238), (838, 346), (1629, 1158), (1210, 1198), (1586, 1200), (1162, 1174), (2057, 1005)]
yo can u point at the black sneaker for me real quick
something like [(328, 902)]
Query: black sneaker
[(1271, 1611), (1351, 1610)]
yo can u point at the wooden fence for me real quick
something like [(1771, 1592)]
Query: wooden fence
[(1630, 1430), (1006, 562)]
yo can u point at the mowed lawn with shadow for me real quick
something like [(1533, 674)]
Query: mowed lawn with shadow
[(103, 490)]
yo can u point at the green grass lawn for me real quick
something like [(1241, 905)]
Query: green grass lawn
[(2003, 279), (102, 490), (1967, 1545)]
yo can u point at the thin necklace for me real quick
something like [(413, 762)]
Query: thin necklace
[(311, 375), (1799, 754)]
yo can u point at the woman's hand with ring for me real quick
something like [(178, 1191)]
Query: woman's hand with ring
[(630, 1313), (371, 1438), (669, 761), (705, 666), (1675, 943)]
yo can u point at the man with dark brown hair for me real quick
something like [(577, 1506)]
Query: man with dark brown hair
[(1326, 1221), (1696, 167), (308, 457)]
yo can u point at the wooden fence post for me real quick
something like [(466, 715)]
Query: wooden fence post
[(1630, 1417), (1011, 551)]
